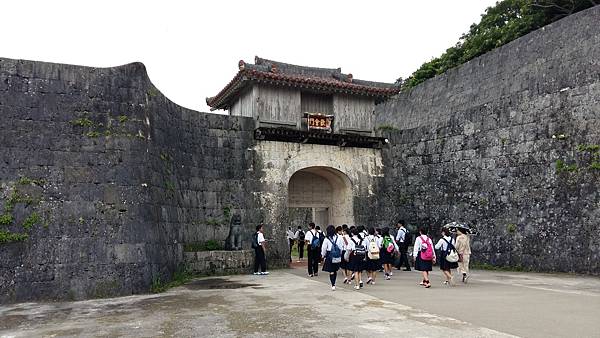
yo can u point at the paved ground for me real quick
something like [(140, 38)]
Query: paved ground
[(288, 304)]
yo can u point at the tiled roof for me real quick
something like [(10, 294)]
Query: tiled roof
[(324, 80)]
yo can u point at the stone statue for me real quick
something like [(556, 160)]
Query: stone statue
[(234, 240)]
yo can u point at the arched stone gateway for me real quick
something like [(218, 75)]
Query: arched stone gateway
[(322, 195), (313, 182)]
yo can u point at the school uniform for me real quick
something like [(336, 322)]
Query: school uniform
[(357, 264), (372, 264), (421, 243), (402, 248), (444, 248), (259, 252), (300, 243), (346, 241), (313, 254), (387, 257), (328, 244)]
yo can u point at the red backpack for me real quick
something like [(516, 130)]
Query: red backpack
[(427, 254)]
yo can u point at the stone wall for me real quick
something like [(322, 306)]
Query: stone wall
[(219, 262), (109, 179), (509, 143)]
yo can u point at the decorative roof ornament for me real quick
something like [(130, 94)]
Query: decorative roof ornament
[(279, 74)]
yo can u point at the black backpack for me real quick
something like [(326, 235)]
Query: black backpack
[(359, 250), (255, 240), (300, 235), (408, 239)]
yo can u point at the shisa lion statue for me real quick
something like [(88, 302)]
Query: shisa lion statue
[(234, 240)]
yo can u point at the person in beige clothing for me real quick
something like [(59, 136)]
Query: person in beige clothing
[(463, 247)]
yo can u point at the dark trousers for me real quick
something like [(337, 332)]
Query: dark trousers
[(300, 250), (291, 245), (259, 259), (403, 260), (313, 261)]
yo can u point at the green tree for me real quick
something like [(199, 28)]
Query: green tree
[(500, 24)]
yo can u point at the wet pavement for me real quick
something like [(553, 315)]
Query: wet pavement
[(286, 303)]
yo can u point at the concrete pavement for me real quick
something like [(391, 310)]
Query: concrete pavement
[(288, 304)]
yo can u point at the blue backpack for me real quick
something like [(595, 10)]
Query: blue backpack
[(315, 242), (336, 253)]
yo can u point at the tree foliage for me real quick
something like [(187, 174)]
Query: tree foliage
[(500, 24)]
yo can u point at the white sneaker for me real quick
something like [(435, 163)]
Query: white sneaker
[(333, 288), (256, 273), (356, 287), (264, 273)]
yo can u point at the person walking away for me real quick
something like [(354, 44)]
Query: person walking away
[(312, 241), (291, 237), (446, 244), (321, 239), (331, 252), (344, 265), (357, 257), (373, 245), (299, 236), (259, 245), (403, 241), (463, 247), (388, 249), (424, 256)]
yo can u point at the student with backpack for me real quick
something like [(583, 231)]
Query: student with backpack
[(331, 252), (403, 240), (344, 265), (388, 249), (372, 265), (258, 244), (358, 254), (448, 256), (313, 241), (300, 240), (424, 256), (321, 239)]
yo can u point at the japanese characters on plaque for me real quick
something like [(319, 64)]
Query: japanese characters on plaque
[(319, 121)]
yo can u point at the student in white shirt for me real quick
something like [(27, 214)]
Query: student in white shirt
[(290, 236), (372, 263), (357, 257), (259, 252), (445, 244), (313, 252), (401, 241), (299, 237), (346, 253), (388, 249), (422, 245), (332, 240)]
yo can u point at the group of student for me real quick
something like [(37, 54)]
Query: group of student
[(356, 250)]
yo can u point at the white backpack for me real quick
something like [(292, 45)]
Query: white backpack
[(373, 252)]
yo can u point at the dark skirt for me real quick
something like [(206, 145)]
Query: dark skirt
[(386, 257), (421, 265), (356, 264), (330, 267), (445, 265), (372, 264), (343, 263)]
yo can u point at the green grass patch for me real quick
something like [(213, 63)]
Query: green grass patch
[(11, 237), (123, 118), (387, 127), (6, 219), (31, 220), (82, 122)]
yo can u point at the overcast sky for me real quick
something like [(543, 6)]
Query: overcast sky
[(191, 48)]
